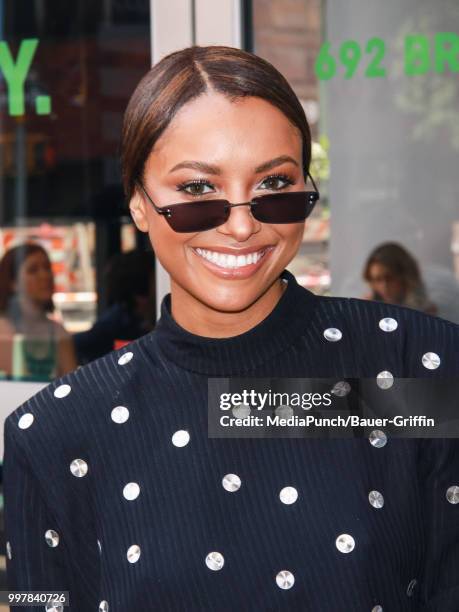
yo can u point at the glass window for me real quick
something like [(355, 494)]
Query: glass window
[(67, 70), (290, 40), (380, 89)]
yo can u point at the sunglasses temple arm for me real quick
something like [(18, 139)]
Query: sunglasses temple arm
[(157, 208), (314, 185)]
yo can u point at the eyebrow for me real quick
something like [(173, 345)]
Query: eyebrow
[(211, 169)]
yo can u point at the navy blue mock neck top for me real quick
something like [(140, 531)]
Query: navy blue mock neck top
[(115, 492)]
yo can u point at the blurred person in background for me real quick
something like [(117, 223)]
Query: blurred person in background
[(394, 277), (33, 346), (131, 306)]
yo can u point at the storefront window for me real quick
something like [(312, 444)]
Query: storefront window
[(380, 89), (290, 40), (67, 70)]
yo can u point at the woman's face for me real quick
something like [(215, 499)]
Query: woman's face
[(387, 284), (234, 138), (35, 279)]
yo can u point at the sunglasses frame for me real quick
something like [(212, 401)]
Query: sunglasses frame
[(168, 210)]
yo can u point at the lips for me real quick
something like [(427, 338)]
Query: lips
[(231, 260), (233, 263)]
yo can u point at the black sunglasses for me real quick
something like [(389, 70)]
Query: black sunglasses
[(197, 216)]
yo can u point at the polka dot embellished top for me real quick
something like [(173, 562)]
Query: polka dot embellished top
[(115, 492)]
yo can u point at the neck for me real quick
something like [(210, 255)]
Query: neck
[(227, 354), (198, 318), (30, 309)]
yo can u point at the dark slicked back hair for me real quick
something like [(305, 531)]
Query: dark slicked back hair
[(187, 74)]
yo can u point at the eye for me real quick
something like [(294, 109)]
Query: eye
[(195, 186), (273, 179)]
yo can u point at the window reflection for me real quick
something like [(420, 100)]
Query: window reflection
[(34, 346), (72, 69), (380, 91)]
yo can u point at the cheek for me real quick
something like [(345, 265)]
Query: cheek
[(169, 246), (30, 281), (291, 235)]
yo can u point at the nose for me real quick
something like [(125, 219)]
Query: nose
[(241, 224)]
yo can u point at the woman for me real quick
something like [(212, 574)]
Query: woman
[(394, 277), (131, 306), (114, 489), (33, 346)]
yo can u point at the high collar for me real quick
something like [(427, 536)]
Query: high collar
[(237, 355)]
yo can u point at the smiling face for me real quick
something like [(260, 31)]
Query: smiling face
[(232, 266), (35, 279)]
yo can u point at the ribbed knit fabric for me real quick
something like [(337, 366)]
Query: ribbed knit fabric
[(405, 555)]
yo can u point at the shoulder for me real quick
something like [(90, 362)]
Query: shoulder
[(75, 405), (425, 343), (60, 332), (6, 327)]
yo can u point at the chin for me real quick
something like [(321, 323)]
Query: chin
[(226, 306), (231, 299)]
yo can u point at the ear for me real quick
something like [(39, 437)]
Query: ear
[(137, 206)]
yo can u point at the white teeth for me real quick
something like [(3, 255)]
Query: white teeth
[(230, 261)]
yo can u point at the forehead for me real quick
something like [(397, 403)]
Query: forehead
[(212, 127), (36, 257)]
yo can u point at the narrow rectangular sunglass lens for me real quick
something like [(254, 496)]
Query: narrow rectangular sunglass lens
[(198, 216), (291, 207)]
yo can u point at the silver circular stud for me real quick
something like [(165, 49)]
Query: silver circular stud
[(120, 414), (288, 495), (131, 491), (54, 606), (411, 586), (452, 494), (377, 438), (133, 553), (384, 380), (215, 561), (333, 334), (26, 420), (388, 324), (376, 499), (377, 609), (62, 391), (241, 411), (284, 412), (345, 543), (79, 468), (103, 606), (431, 361), (285, 579), (180, 438), (125, 358), (52, 538), (341, 388), (231, 482)]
